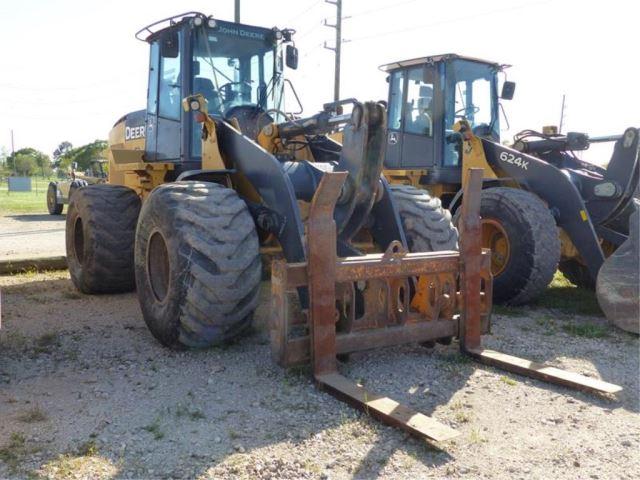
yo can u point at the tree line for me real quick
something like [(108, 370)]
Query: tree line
[(29, 161)]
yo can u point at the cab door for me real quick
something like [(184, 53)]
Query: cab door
[(419, 118), (393, 155), (164, 100), (151, 119)]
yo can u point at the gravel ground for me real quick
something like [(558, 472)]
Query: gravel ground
[(31, 235), (86, 392)]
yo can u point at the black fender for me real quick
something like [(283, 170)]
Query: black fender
[(221, 176), (267, 176), (456, 201), (386, 226), (555, 187)]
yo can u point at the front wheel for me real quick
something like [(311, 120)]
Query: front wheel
[(525, 247), (197, 264)]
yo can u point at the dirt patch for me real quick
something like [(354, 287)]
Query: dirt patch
[(86, 392)]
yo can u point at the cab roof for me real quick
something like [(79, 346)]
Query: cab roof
[(433, 59)]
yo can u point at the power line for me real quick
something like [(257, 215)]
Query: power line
[(295, 17), (103, 83), (444, 22), (374, 10), (312, 49), (311, 30)]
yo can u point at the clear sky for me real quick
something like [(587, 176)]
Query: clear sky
[(71, 68)]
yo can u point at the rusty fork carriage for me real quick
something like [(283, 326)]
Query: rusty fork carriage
[(392, 298)]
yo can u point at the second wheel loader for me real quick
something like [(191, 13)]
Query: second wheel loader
[(541, 207)]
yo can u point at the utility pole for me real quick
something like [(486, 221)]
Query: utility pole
[(336, 49), (236, 11), (13, 154)]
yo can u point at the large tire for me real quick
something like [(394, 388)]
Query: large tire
[(100, 235), (577, 273), (427, 225), (534, 244), (75, 185), (53, 206), (197, 262)]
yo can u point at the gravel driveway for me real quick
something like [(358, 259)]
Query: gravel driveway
[(86, 392), (31, 235)]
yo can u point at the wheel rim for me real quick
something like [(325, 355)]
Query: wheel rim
[(495, 237), (158, 268), (78, 240)]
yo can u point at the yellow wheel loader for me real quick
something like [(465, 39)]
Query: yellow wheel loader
[(542, 207), (214, 171)]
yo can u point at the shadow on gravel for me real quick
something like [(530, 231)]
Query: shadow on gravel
[(37, 217)]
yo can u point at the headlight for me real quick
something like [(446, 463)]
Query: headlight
[(212, 23), (197, 21)]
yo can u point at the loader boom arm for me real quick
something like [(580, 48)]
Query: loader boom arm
[(556, 189)]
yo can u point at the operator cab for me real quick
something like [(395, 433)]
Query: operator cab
[(426, 97), (237, 68)]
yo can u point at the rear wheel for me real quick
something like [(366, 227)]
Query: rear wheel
[(197, 263), (524, 242), (53, 206), (100, 234), (427, 225)]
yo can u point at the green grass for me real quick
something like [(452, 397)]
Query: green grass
[(586, 330), (510, 311), (565, 297), (13, 452), (155, 429), (33, 415), (34, 201), (193, 414), (509, 381)]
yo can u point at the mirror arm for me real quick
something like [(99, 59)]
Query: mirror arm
[(504, 114)]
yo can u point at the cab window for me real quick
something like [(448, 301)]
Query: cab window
[(418, 113), (152, 94), (170, 79), (395, 99)]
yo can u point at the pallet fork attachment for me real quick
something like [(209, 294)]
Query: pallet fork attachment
[(380, 285)]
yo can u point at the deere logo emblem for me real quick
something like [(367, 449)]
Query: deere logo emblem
[(393, 138)]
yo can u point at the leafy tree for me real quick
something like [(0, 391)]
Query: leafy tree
[(41, 161), (62, 149), (25, 164), (4, 170), (83, 155)]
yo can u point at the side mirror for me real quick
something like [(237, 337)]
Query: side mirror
[(169, 46), (291, 55), (508, 89)]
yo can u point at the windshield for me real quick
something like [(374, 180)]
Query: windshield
[(471, 92), (236, 65)]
